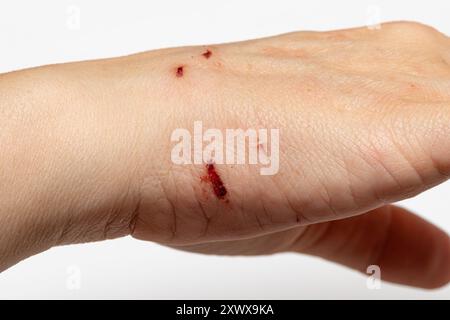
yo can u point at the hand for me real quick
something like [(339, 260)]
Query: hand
[(363, 117)]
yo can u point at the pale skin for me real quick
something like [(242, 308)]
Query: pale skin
[(364, 119)]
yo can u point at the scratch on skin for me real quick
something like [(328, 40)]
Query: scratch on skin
[(179, 72), (207, 54), (213, 177)]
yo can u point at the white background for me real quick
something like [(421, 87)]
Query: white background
[(40, 32)]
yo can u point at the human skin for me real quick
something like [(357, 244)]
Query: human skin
[(364, 119)]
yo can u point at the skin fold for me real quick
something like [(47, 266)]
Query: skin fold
[(364, 120)]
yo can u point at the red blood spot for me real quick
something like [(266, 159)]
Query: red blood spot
[(180, 71), (212, 176), (207, 54)]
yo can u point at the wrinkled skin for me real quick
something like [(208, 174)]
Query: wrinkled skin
[(364, 119)]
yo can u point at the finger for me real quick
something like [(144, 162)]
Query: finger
[(408, 249)]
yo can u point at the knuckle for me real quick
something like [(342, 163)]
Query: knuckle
[(410, 27), (410, 31)]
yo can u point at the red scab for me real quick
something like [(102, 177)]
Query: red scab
[(180, 71), (207, 54), (217, 184)]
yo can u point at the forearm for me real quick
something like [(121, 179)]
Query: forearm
[(67, 164), (80, 144)]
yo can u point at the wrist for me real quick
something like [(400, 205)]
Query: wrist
[(67, 162)]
